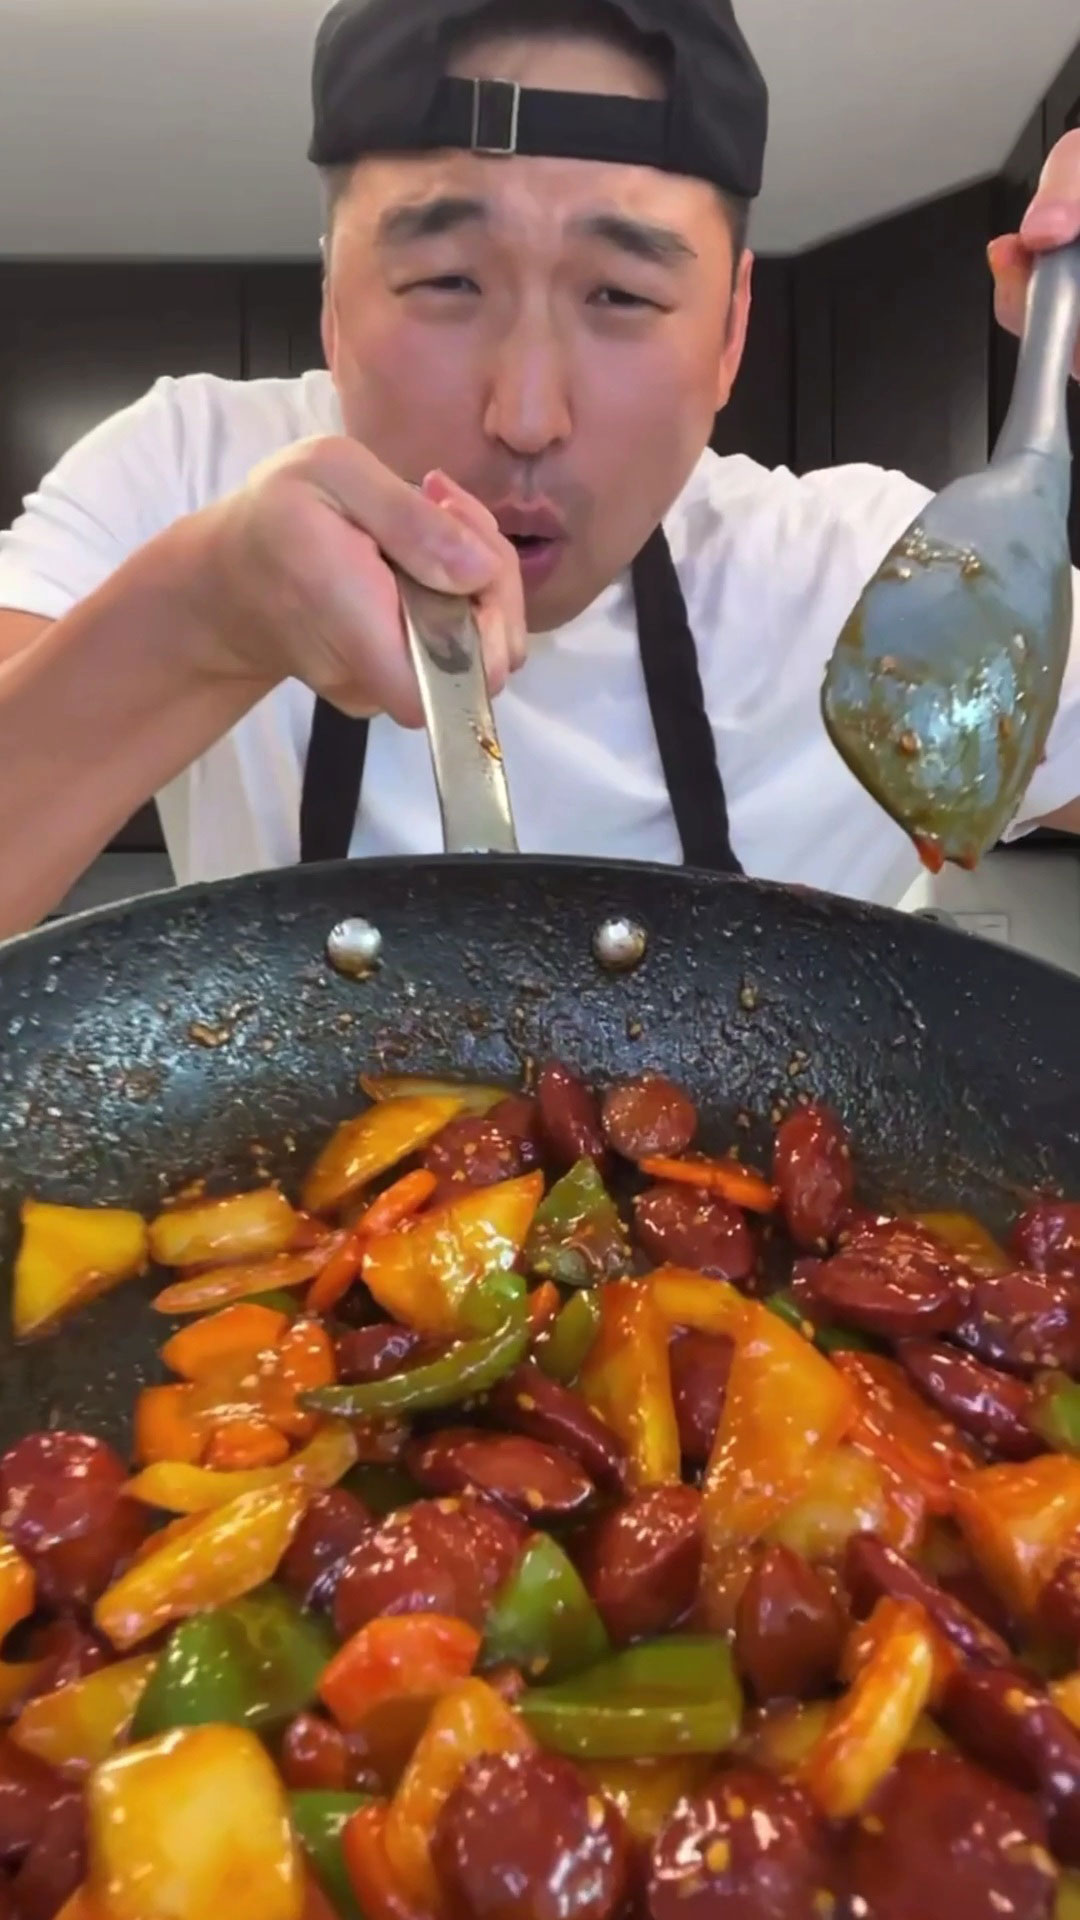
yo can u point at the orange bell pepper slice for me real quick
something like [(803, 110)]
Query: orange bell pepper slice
[(69, 1256), (240, 1227), (224, 1340), (171, 1423), (901, 1430), (302, 1360), (378, 1894), (786, 1408), (422, 1277), (1065, 1695), (219, 1286), (1019, 1521), (706, 1306), (370, 1145), (410, 1656), (740, 1186), (80, 1725), (191, 1825), (626, 1380), (471, 1720), (646, 1792), (870, 1727), (240, 1445), (177, 1488), (219, 1557), (17, 1587)]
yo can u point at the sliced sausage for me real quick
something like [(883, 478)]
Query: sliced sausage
[(362, 1354), (944, 1841), (648, 1118), (885, 1294), (522, 1838), (789, 1631), (65, 1650), (642, 1562), (700, 1366), (680, 1228), (528, 1402), (873, 1571), (1047, 1237), (63, 1506), (518, 1116), (813, 1171), (523, 1476), (991, 1406), (333, 1525), (437, 1556), (1024, 1322), (56, 1864), (1009, 1724), (473, 1151), (747, 1847), (570, 1126), (30, 1794), (1059, 1605)]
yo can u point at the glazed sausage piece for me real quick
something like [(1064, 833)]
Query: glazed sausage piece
[(528, 1402), (747, 1847), (873, 1571), (700, 1365), (1009, 1724), (642, 1562), (1024, 1322), (333, 1525), (522, 1838), (648, 1118), (944, 1841), (789, 1631), (885, 1294), (362, 1354), (570, 1128), (437, 1556), (473, 1151), (1059, 1605), (30, 1793), (67, 1650), (62, 1505), (1047, 1237), (680, 1228), (56, 1864), (518, 1116), (523, 1476), (991, 1406), (813, 1171)]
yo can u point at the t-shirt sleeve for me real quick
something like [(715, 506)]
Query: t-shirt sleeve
[(114, 490)]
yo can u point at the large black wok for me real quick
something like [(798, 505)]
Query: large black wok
[(205, 1032)]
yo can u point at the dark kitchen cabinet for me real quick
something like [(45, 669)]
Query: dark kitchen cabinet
[(757, 419), (281, 320)]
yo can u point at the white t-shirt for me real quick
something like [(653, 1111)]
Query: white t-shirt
[(770, 566)]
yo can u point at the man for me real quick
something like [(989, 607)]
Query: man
[(537, 296)]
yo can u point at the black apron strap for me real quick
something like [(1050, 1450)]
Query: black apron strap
[(334, 770), (677, 703)]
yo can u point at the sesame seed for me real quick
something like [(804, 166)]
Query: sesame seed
[(871, 1824), (718, 1856), (597, 1812), (534, 1500), (526, 1403), (736, 1806)]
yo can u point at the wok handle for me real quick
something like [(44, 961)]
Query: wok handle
[(474, 797), (1038, 419)]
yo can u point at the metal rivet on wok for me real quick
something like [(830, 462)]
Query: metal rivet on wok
[(355, 949), (620, 945)]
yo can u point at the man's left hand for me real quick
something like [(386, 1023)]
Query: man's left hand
[(1052, 220)]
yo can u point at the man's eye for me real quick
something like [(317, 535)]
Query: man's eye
[(620, 298), (443, 283)]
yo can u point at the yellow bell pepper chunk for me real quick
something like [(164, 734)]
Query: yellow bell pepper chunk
[(708, 1306), (67, 1257), (371, 1144), (175, 1487), (1018, 1522), (626, 1380), (193, 1826), (242, 1226), (80, 1725), (422, 1277), (217, 1557), (16, 1587)]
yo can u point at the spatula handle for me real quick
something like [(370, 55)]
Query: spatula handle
[(1038, 420)]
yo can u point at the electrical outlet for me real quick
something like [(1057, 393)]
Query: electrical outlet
[(989, 926)]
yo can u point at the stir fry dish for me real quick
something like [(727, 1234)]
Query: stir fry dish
[(540, 1520)]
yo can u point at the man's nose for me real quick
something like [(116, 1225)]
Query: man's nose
[(528, 406)]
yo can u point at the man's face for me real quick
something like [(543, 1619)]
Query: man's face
[(557, 335)]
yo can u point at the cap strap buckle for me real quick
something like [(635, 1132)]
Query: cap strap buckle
[(495, 118)]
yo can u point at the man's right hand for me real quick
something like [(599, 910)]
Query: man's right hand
[(295, 582)]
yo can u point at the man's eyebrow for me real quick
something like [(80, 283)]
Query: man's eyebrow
[(426, 221), (658, 246)]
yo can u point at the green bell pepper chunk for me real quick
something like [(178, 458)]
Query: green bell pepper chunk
[(786, 1306), (543, 1620), (567, 1347), (319, 1820), (670, 1697), (1055, 1412), (577, 1236), (255, 1664), (382, 1489), (468, 1368), (492, 1301)]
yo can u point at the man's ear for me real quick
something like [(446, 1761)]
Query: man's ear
[(328, 322), (737, 324)]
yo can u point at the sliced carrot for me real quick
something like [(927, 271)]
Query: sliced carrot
[(240, 1444), (221, 1285), (170, 1425), (544, 1304), (399, 1203), (739, 1185), (338, 1275), (222, 1340)]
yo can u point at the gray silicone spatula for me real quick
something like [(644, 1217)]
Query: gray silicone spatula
[(946, 678)]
